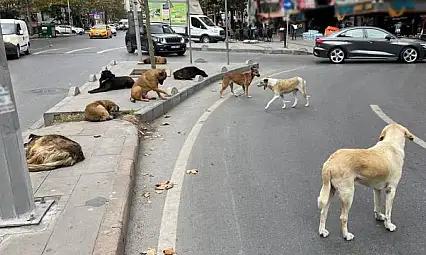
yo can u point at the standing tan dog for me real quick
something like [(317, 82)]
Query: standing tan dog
[(148, 81), (242, 79), (378, 167), (286, 86), (48, 152), (100, 110)]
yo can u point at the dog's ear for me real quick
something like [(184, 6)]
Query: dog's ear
[(32, 136), (382, 135), (106, 68), (265, 80)]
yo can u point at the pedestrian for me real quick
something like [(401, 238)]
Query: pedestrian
[(293, 31)]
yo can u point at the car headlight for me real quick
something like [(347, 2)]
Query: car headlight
[(182, 40)]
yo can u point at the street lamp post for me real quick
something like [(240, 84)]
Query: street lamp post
[(69, 13), (188, 25), (226, 32)]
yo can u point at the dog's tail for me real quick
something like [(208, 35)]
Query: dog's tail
[(51, 165), (326, 187)]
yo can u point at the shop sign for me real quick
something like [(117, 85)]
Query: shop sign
[(353, 9)]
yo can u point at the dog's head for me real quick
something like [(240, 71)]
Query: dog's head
[(395, 128), (106, 75), (254, 71), (31, 140), (161, 75), (264, 83), (202, 73), (110, 106)]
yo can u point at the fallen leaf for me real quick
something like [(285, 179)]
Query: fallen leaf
[(97, 136), (146, 194), (165, 124), (169, 251), (164, 185), (192, 171), (150, 251), (167, 116)]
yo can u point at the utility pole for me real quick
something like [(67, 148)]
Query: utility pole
[(137, 30), (188, 25), (148, 33), (226, 32), (69, 14), (17, 206), (286, 30)]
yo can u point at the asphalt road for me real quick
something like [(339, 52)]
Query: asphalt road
[(260, 172), (42, 79)]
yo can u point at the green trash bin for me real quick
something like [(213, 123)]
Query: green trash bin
[(47, 30)]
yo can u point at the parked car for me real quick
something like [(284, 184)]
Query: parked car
[(113, 29), (77, 30), (164, 38), (368, 43), (63, 29), (100, 30), (16, 37)]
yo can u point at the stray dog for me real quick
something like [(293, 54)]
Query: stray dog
[(378, 167), (108, 82), (148, 81), (100, 110), (48, 152), (242, 79), (286, 86), (188, 73), (158, 60)]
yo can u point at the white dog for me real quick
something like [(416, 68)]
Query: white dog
[(285, 86)]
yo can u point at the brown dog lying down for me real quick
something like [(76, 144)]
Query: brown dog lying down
[(48, 152), (148, 81), (158, 60), (242, 79), (100, 110)]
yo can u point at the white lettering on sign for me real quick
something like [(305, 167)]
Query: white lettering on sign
[(6, 103)]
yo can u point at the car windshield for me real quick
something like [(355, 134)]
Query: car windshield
[(8, 28), (99, 27), (207, 21), (163, 29)]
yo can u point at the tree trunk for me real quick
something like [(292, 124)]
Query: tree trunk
[(148, 33)]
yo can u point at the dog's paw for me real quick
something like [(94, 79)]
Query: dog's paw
[(110, 117), (323, 233), (306, 105), (284, 106), (248, 96), (293, 106), (390, 226), (235, 95), (348, 236), (379, 216), (266, 108)]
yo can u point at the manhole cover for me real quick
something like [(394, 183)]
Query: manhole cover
[(48, 91)]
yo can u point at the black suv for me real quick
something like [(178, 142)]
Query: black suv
[(165, 39)]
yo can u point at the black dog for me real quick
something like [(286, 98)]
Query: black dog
[(108, 82), (188, 73)]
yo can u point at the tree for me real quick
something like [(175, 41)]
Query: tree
[(144, 4), (11, 8)]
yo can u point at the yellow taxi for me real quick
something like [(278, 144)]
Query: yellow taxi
[(100, 30)]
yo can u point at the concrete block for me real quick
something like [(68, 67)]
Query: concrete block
[(172, 91), (249, 62), (200, 60), (224, 69), (113, 63), (92, 78), (73, 91), (204, 47), (199, 78)]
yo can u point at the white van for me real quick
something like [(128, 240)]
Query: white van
[(204, 30), (15, 36)]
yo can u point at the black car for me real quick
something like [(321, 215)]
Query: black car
[(368, 43), (164, 38)]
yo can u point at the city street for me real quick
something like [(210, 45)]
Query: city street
[(260, 172)]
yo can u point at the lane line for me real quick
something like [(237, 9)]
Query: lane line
[(103, 51), (168, 229), (44, 51), (72, 51), (376, 109)]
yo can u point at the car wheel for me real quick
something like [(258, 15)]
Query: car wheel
[(18, 52), (28, 51), (57, 32), (181, 53), (205, 39), (130, 48), (337, 55), (409, 55)]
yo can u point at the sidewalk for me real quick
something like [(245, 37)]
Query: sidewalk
[(92, 198), (295, 47)]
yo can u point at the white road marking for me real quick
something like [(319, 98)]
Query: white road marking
[(376, 109), (168, 229), (72, 51), (44, 51), (103, 51)]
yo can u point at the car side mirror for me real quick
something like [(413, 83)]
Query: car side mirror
[(20, 32), (388, 37)]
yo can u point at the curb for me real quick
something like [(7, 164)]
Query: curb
[(161, 107), (263, 51), (111, 239)]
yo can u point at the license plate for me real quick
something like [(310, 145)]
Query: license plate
[(96, 33), (175, 47)]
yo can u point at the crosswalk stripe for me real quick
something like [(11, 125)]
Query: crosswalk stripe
[(72, 51), (103, 51)]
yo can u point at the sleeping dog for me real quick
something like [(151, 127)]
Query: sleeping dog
[(285, 86), (108, 82), (188, 73)]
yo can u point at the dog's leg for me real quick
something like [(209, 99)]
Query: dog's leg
[(272, 100), (231, 85), (284, 102), (295, 99), (390, 195), (246, 88), (323, 217), (377, 206), (346, 193), (225, 84)]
